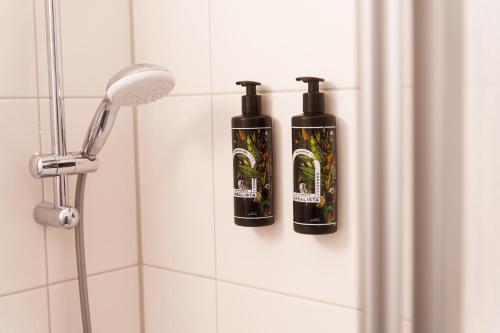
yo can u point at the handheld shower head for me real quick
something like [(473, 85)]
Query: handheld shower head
[(132, 86), (139, 84)]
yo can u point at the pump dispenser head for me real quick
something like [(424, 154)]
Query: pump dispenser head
[(314, 100), (251, 103)]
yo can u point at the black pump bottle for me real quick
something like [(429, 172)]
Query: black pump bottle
[(314, 145), (253, 187)]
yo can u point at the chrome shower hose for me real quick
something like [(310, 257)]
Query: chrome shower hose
[(80, 255)]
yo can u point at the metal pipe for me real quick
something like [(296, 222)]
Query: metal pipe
[(369, 168), (438, 142), (56, 96), (381, 149), (393, 180)]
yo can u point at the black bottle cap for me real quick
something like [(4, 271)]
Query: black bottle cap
[(314, 101), (251, 103)]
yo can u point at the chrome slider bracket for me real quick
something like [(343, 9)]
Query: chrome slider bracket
[(50, 165)]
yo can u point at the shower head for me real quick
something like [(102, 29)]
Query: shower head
[(132, 86), (139, 84)]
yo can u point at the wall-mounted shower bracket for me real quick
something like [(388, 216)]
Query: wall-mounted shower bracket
[(60, 217), (50, 165)]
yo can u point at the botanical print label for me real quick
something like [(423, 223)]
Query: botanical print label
[(315, 175), (252, 172)]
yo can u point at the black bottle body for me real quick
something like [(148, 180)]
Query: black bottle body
[(253, 170), (314, 173)]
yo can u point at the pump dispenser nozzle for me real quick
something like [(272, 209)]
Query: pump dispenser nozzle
[(314, 100), (251, 103)]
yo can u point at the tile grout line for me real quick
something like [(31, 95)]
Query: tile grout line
[(253, 287), (173, 270), (213, 163), (104, 272), (40, 140), (262, 92), (14, 98), (46, 97), (286, 294), (358, 188), (140, 255), (140, 267), (194, 94), (48, 284), (26, 290)]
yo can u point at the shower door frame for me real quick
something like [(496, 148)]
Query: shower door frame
[(438, 159)]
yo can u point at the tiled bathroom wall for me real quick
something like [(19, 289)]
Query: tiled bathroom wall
[(202, 273), (185, 266), (38, 289)]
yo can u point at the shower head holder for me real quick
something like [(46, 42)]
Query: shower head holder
[(53, 165), (50, 165)]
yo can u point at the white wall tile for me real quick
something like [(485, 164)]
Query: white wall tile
[(175, 163), (481, 228), (179, 303), (95, 44), (246, 310), (110, 216), (275, 41), (22, 244), (175, 34), (25, 312), (114, 304), (41, 47), (321, 267), (481, 46), (18, 56)]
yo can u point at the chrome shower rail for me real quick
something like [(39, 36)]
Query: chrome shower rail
[(59, 164), (56, 96)]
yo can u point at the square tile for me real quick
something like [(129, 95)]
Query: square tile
[(25, 313), (18, 56), (179, 303), (22, 240), (247, 310), (175, 34), (481, 34), (324, 267), (275, 41), (114, 304), (175, 164), (110, 216), (95, 44), (481, 231)]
